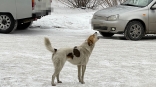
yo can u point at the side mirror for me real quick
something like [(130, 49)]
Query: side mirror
[(153, 7)]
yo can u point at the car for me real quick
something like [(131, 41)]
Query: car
[(132, 18), (21, 13)]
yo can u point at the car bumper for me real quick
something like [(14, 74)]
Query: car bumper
[(109, 26), (42, 13)]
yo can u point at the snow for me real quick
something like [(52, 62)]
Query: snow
[(114, 62)]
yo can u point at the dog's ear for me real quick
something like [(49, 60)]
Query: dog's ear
[(76, 52), (90, 42)]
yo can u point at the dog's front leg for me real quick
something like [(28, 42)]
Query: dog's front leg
[(83, 72), (79, 72)]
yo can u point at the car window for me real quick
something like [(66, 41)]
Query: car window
[(137, 3)]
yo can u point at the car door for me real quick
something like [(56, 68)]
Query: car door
[(152, 19)]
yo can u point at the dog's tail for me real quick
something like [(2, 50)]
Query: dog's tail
[(48, 45)]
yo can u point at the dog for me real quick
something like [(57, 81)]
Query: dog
[(78, 55)]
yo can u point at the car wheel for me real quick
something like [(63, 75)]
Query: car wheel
[(126, 35), (23, 26), (7, 23), (134, 30), (104, 34)]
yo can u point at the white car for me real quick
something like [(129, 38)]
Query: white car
[(21, 13), (133, 18)]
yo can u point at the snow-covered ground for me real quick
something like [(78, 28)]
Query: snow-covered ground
[(115, 62)]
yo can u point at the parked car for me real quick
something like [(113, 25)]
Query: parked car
[(21, 13), (133, 18)]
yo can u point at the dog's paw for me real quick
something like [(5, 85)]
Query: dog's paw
[(53, 84), (82, 82), (79, 79), (59, 81)]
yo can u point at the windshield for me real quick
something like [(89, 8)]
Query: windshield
[(137, 3)]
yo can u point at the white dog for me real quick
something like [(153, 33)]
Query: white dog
[(78, 55)]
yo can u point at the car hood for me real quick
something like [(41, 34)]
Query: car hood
[(119, 9)]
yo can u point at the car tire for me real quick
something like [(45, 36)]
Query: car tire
[(134, 31), (23, 26), (7, 23), (126, 35), (104, 34)]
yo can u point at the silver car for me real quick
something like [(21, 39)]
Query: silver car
[(133, 18)]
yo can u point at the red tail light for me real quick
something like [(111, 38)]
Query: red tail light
[(33, 4)]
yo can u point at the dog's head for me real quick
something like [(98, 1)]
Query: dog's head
[(92, 39)]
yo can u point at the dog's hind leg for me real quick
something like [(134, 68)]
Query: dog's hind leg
[(53, 77), (58, 80), (79, 72), (83, 72), (58, 68)]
